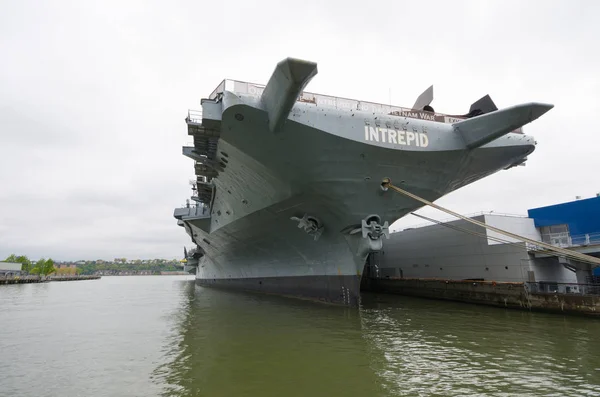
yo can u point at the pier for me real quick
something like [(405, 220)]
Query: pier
[(563, 298), (5, 280), (20, 280), (73, 278)]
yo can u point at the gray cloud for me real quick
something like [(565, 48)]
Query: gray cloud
[(93, 96)]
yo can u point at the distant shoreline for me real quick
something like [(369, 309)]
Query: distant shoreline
[(34, 279), (150, 274), (38, 279)]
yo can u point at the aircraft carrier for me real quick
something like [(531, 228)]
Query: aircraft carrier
[(290, 195)]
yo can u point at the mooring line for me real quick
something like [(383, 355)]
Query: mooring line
[(564, 252)]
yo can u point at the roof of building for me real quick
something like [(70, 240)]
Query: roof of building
[(10, 266)]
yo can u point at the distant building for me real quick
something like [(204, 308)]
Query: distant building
[(460, 250), (569, 224), (8, 269), (574, 225)]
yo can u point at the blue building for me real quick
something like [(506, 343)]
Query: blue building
[(571, 224)]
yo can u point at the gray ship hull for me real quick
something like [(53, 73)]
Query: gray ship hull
[(327, 289), (328, 164), (265, 250)]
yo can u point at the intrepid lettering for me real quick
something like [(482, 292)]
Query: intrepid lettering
[(396, 137)]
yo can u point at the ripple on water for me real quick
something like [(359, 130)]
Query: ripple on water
[(133, 336), (452, 349)]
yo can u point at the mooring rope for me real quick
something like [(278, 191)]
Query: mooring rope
[(520, 244), (563, 252)]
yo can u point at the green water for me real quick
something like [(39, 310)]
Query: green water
[(162, 336)]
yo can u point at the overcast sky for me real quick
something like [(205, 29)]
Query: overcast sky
[(93, 97)]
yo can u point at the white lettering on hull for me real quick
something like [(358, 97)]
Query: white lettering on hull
[(396, 137)]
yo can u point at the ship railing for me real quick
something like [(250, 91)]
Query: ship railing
[(191, 250), (218, 91), (194, 116), (192, 210), (255, 90)]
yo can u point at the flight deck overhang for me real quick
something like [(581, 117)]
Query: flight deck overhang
[(191, 212)]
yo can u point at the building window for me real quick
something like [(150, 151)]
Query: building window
[(556, 235)]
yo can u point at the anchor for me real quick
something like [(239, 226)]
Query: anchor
[(372, 231), (310, 224)]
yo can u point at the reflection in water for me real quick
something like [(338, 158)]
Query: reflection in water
[(238, 344)]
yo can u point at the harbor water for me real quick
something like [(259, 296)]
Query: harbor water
[(164, 336)]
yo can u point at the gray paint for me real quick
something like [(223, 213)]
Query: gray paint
[(287, 82), (324, 162), (335, 289), (481, 130), (439, 251)]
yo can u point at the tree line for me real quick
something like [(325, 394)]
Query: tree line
[(42, 266), (91, 268), (45, 267)]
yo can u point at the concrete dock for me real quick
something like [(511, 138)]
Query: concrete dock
[(585, 300)]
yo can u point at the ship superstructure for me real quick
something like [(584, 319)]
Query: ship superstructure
[(290, 190)]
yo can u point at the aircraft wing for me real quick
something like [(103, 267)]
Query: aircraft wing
[(479, 130)]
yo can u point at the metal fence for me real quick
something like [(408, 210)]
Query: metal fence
[(256, 90), (195, 116), (585, 239), (592, 288), (196, 210), (566, 240)]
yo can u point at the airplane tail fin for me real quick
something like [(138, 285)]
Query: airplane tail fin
[(479, 130), (424, 99), (285, 85), (482, 106)]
